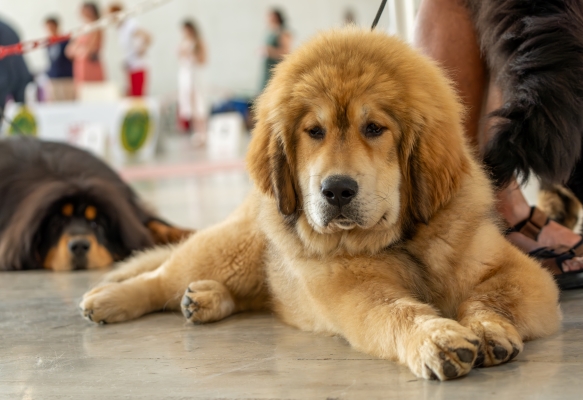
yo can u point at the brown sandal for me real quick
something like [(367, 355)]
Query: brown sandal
[(551, 259)]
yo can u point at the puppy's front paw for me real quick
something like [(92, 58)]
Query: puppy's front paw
[(206, 301), (442, 349), (499, 340), (106, 304)]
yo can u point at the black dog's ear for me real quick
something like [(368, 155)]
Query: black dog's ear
[(162, 233), (268, 162), (17, 241)]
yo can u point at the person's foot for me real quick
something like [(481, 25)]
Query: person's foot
[(513, 207), (554, 236)]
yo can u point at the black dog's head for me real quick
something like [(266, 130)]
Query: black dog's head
[(65, 226), (77, 233), (61, 208)]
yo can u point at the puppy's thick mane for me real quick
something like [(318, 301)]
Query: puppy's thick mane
[(433, 157)]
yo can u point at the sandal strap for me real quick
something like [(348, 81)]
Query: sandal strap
[(577, 250), (552, 259), (532, 227)]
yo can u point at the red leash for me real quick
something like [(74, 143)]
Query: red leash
[(23, 47)]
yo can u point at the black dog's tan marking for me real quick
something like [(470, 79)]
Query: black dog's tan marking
[(67, 210), (90, 213), (63, 209)]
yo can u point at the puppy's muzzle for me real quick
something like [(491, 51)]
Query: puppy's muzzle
[(339, 190)]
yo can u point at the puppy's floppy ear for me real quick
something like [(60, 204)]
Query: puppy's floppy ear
[(434, 160), (269, 165)]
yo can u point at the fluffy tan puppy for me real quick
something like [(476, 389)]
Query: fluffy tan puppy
[(370, 220)]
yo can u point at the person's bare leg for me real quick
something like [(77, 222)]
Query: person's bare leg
[(444, 31)]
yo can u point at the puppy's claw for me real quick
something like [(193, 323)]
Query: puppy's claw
[(432, 375), (186, 301)]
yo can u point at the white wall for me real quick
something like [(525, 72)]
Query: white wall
[(233, 29)]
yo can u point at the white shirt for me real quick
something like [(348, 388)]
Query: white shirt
[(131, 45)]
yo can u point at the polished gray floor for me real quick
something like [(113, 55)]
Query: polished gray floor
[(47, 351)]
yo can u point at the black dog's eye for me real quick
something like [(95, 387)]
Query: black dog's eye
[(373, 130), (316, 132)]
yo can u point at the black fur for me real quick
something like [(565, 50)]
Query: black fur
[(34, 175), (534, 49)]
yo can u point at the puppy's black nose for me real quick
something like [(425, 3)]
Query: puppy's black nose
[(339, 190), (79, 247)]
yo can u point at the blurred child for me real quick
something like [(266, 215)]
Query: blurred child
[(192, 55), (60, 71), (134, 42)]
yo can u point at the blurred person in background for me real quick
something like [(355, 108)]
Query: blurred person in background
[(134, 42), (14, 75), (192, 56), (349, 17), (60, 71), (85, 50), (279, 42)]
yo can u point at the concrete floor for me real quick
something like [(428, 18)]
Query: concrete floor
[(47, 351)]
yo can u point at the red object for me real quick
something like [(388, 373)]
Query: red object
[(137, 80), (184, 125), (24, 47)]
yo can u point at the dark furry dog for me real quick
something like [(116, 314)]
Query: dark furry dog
[(63, 209), (534, 49)]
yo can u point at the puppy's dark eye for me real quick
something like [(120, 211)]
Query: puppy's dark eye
[(316, 132), (373, 130)]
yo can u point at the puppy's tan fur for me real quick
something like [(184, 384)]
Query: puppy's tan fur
[(420, 274)]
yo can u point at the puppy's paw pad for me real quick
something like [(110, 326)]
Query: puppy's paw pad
[(465, 355), (501, 351), (206, 301), (189, 305)]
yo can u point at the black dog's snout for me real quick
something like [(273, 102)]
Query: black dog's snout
[(79, 247), (339, 190)]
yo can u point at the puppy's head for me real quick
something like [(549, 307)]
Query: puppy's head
[(356, 132)]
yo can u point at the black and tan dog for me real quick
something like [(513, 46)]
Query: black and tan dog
[(63, 209)]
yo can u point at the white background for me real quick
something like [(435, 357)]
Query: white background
[(233, 29)]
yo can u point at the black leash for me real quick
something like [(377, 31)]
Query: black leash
[(379, 13)]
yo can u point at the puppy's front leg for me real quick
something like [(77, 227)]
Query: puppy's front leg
[(214, 273), (514, 300), (378, 316)]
